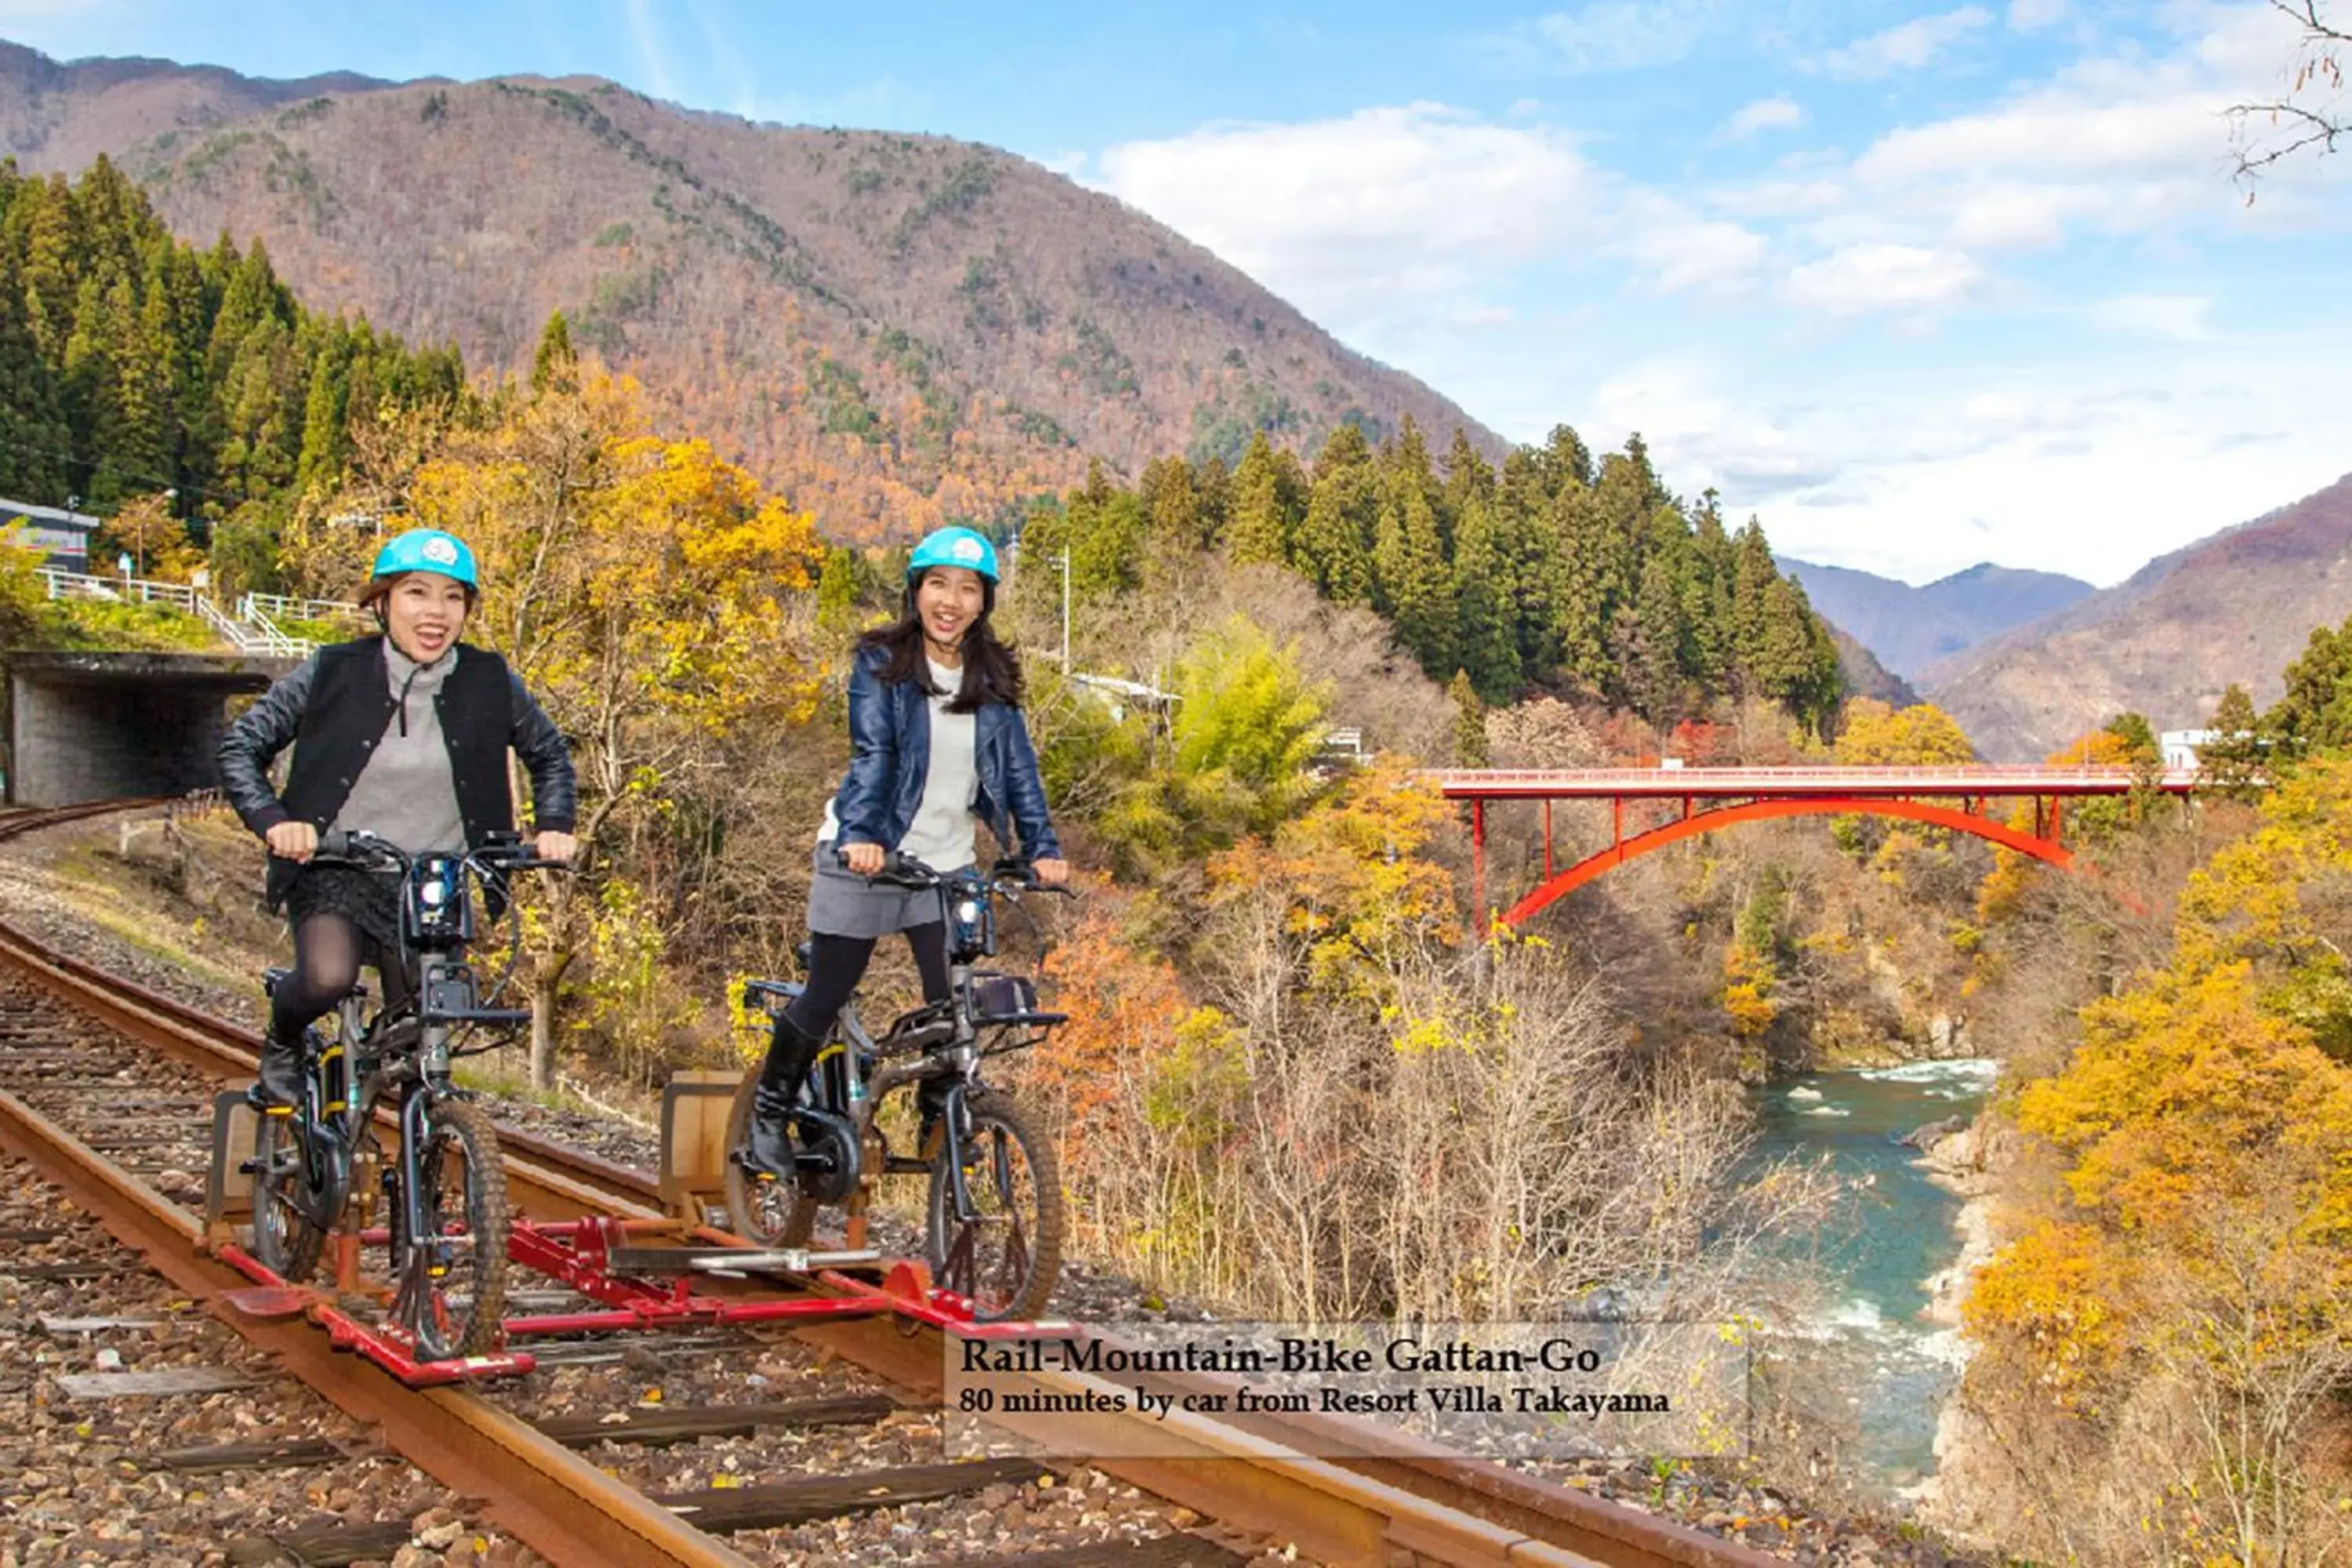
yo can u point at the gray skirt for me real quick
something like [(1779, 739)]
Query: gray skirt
[(843, 903)]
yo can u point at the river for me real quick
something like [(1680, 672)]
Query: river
[(1899, 1230)]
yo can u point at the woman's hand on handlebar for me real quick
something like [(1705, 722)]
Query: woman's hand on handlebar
[(864, 860), (550, 845), (296, 840), (1051, 873)]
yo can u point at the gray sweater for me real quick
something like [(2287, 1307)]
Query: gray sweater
[(405, 792)]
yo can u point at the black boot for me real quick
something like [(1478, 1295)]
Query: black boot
[(790, 1053), (278, 1088)]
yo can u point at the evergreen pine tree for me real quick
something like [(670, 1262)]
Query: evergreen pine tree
[(52, 279), (325, 432), (1467, 474), (1333, 543), (1486, 637), (1262, 523), (555, 366), (1564, 461), (2231, 761), (1469, 722), (1582, 606)]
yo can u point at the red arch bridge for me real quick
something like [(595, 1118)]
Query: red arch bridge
[(1673, 804)]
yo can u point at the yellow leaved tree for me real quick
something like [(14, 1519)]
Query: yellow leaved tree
[(655, 601), (2176, 1332)]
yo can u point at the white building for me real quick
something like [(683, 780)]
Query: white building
[(60, 536), (2181, 746)]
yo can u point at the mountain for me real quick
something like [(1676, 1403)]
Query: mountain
[(1864, 676), (2236, 606), (1910, 628), (890, 330), (61, 116)]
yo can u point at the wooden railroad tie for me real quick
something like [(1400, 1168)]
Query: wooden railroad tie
[(648, 1428)]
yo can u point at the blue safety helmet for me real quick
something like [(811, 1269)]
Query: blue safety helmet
[(953, 547), (427, 550)]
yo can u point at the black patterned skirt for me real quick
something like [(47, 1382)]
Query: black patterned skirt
[(369, 899)]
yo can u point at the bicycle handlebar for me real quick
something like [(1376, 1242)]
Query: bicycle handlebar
[(900, 871), (366, 850)]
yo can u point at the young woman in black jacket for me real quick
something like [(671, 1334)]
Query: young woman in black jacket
[(405, 735), (936, 743)]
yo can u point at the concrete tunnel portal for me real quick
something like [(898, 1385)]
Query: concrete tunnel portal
[(104, 726)]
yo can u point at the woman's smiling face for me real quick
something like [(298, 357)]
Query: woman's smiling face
[(423, 614), (948, 600)]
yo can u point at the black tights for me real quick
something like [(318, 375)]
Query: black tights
[(837, 964), (327, 952)]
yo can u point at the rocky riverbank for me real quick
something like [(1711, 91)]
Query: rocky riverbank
[(1962, 1160)]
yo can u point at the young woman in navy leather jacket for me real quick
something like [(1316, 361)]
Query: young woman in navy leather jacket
[(937, 743)]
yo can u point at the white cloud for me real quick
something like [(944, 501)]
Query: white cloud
[(2048, 463), (1680, 252), (1781, 114), (1863, 279), (1341, 214), (1608, 36), (1908, 47), (2032, 15), (2179, 316)]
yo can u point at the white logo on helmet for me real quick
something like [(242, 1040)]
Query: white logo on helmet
[(967, 549), (440, 551)]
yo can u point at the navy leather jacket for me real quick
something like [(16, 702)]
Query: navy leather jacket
[(890, 753)]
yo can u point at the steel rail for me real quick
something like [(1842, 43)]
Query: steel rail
[(554, 1501), (1439, 1506)]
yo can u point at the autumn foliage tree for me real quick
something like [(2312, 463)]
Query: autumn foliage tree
[(656, 601), (2184, 1311)]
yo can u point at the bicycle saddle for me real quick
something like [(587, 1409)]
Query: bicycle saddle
[(775, 992)]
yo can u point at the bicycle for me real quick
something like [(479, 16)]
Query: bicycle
[(446, 1193), (993, 1215)]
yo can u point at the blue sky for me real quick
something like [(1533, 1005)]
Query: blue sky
[(1918, 285)]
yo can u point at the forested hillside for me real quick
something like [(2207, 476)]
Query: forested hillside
[(1553, 569), (893, 330), (132, 363)]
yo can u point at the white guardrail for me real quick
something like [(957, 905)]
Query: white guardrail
[(251, 630)]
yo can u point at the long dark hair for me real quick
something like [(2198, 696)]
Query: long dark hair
[(991, 671)]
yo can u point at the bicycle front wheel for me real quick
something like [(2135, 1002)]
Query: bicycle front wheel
[(452, 1290), (1005, 1256), (286, 1239)]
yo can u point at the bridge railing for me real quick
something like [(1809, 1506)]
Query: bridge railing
[(1969, 778), (136, 590)]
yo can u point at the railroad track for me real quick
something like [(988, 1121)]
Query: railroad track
[(1252, 1476)]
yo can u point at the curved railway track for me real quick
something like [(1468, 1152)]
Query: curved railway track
[(1432, 1506)]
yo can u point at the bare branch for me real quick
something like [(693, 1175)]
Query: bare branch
[(2318, 64)]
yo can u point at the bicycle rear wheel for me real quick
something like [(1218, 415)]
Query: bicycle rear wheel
[(452, 1293), (766, 1211), (1007, 1257), (286, 1193)]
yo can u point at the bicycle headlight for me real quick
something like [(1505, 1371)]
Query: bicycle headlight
[(968, 912), (436, 911)]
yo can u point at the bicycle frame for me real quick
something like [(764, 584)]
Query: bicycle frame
[(370, 1054), (851, 1078)]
